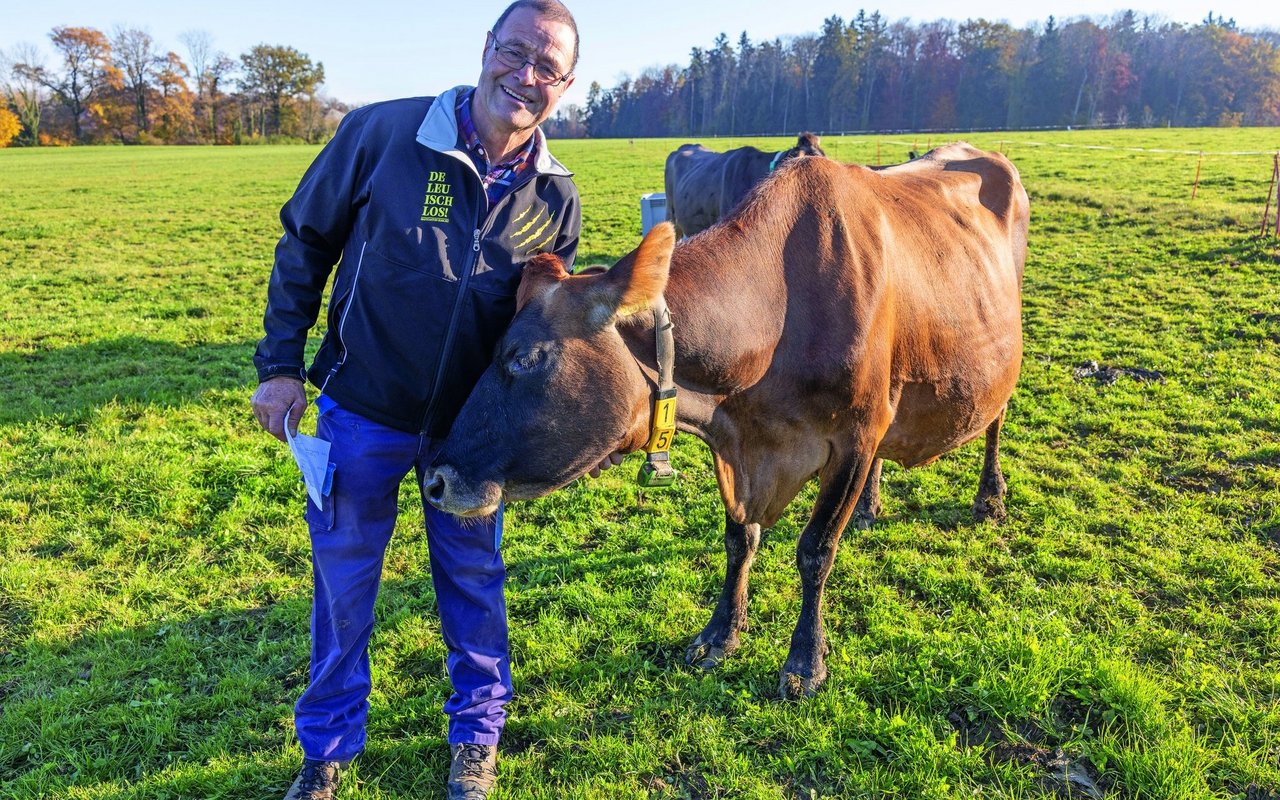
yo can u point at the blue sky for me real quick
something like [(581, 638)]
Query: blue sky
[(375, 49)]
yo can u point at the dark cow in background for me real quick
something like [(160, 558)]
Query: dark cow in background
[(840, 315), (703, 186)]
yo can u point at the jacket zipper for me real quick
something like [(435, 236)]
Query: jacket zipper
[(342, 321), (446, 352)]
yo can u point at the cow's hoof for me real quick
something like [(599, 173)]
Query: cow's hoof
[(798, 687), (989, 509), (863, 521), (707, 656)]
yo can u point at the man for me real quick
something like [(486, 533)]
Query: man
[(429, 207)]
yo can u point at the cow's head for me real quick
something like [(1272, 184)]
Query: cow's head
[(563, 391), (807, 144)]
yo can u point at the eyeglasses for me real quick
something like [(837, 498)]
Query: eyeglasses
[(516, 59)]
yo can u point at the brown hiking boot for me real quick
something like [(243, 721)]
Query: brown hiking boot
[(473, 771), (317, 780)]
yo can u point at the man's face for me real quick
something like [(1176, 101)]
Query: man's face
[(510, 100)]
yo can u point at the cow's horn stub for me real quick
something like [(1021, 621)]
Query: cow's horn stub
[(539, 271)]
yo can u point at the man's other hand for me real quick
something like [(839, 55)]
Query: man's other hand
[(610, 461), (276, 398)]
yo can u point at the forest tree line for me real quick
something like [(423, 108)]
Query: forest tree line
[(127, 88), (864, 75), (872, 75)]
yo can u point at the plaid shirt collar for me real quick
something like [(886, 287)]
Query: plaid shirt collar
[(498, 178)]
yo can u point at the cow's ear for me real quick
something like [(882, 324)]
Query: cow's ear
[(638, 280), (540, 273), (648, 275)]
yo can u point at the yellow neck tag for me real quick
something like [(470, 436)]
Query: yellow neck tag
[(664, 425)]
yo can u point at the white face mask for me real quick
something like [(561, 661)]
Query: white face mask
[(312, 456)]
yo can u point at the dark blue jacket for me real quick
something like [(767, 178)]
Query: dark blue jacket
[(427, 271)]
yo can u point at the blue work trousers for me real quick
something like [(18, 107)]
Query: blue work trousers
[(349, 537)]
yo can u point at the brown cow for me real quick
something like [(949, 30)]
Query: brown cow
[(841, 315), (703, 186)]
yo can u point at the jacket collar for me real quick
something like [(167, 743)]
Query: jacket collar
[(439, 131)]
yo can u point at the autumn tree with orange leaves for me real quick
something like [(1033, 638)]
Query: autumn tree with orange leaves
[(130, 89), (174, 109), (86, 72), (10, 127)]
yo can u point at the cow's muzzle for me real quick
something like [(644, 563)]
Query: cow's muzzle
[(443, 488)]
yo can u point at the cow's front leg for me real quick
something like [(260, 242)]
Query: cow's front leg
[(720, 637), (806, 667)]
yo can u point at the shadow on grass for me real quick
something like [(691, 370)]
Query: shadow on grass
[(132, 712), (1252, 250), (200, 705), (71, 382)]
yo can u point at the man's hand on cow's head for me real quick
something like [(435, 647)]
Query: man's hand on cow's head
[(277, 398), (610, 461)]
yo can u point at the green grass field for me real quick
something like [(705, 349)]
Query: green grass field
[(1118, 636)]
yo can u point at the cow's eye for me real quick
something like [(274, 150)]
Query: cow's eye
[(525, 360)]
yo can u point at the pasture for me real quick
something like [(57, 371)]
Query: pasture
[(1117, 636)]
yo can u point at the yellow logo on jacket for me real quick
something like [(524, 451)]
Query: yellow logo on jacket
[(439, 199), (532, 236)]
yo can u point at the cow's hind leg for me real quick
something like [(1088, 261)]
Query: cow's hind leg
[(806, 668), (869, 501), (989, 504), (720, 637)]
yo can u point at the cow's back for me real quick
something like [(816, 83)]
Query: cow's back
[(999, 188), (692, 184), (742, 169)]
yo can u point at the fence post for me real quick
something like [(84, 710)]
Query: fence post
[(1275, 178), (1266, 210), (1196, 185)]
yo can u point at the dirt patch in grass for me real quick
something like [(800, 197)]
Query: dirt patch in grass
[(1263, 457), (1107, 375), (656, 784), (1214, 479), (1059, 774), (688, 781), (1069, 711)]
